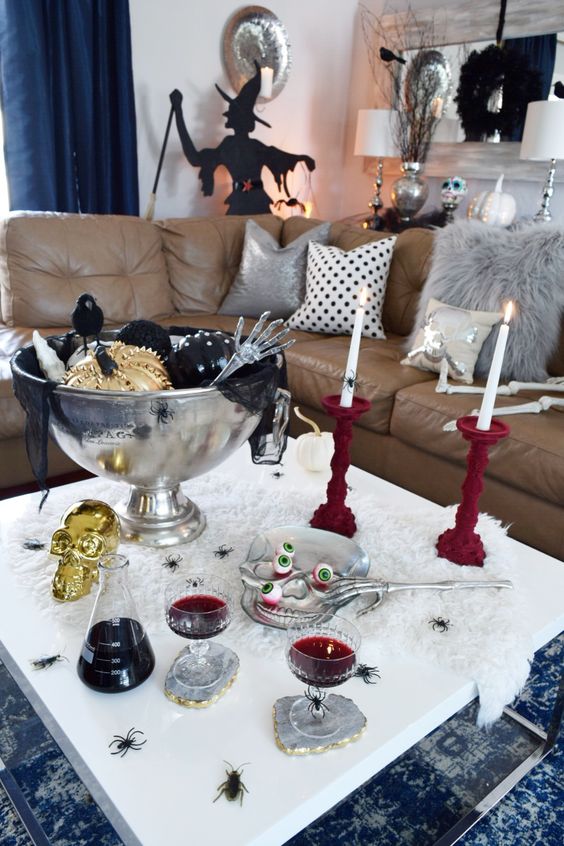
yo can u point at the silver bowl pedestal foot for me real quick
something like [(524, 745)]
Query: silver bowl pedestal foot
[(159, 517)]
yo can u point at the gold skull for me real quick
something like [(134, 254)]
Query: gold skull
[(88, 530)]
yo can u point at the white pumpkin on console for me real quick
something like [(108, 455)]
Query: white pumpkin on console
[(314, 449), (493, 207)]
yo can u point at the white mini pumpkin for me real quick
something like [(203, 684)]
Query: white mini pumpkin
[(493, 207), (314, 449)]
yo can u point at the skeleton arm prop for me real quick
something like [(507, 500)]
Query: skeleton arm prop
[(535, 407)]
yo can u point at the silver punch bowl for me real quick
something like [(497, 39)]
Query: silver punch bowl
[(152, 441)]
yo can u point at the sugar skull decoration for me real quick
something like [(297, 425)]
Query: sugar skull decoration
[(453, 190), (88, 530)]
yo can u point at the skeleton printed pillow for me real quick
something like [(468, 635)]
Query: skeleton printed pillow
[(453, 336)]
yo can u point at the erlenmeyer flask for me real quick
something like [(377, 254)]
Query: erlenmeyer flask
[(116, 654)]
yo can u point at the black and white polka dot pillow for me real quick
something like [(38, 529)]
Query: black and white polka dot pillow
[(334, 278)]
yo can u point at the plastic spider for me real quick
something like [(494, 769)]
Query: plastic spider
[(161, 411), (33, 543), (350, 381), (367, 674), (223, 551), (127, 742), (440, 625), (315, 698), (291, 203), (172, 562), (45, 662), (195, 583)]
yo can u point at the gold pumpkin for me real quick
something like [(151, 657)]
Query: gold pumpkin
[(138, 369)]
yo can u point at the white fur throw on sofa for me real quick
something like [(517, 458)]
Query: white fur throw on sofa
[(480, 267)]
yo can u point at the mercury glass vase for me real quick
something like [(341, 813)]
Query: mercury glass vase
[(410, 191)]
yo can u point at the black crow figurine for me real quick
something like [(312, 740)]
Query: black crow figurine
[(87, 318), (387, 56), (559, 89)]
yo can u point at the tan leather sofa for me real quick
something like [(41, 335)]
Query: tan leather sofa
[(179, 271)]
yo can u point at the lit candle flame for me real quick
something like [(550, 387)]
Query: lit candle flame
[(308, 208), (363, 297), (508, 312)]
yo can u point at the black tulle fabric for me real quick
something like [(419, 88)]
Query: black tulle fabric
[(253, 386)]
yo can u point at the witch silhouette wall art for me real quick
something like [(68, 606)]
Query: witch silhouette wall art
[(243, 157)]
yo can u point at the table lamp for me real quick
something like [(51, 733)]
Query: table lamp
[(543, 140), (374, 138)]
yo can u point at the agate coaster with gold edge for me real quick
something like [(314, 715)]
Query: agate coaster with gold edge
[(202, 696), (351, 723)]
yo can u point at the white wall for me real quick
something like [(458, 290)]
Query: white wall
[(177, 44)]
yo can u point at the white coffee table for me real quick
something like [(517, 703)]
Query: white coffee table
[(166, 792)]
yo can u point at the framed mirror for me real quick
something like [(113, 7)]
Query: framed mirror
[(476, 21)]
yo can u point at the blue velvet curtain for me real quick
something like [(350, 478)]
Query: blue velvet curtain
[(541, 51), (68, 104)]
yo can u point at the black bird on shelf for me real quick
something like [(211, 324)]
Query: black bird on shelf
[(87, 318), (387, 56), (559, 89)]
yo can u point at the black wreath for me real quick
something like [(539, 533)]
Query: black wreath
[(482, 75)]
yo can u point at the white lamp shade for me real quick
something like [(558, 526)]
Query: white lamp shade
[(543, 135), (373, 133)]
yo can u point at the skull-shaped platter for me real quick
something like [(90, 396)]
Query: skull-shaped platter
[(301, 593)]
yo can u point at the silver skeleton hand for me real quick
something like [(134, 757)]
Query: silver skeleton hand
[(259, 344)]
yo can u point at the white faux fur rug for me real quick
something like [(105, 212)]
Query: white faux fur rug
[(487, 637)]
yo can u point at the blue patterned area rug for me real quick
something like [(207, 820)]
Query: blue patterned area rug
[(410, 803)]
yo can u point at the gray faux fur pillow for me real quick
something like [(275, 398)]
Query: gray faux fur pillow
[(480, 267)]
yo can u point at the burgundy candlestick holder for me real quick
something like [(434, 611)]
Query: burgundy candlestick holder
[(461, 544), (334, 515)]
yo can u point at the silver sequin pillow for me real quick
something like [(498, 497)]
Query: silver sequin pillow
[(271, 278), (334, 278), (454, 335)]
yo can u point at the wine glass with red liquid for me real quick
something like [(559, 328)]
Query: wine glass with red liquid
[(321, 655), (199, 609)]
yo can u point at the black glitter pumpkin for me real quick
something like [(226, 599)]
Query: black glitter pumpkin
[(145, 333), (199, 358)]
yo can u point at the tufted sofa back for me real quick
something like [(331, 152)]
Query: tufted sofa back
[(203, 255), (48, 259), (137, 269)]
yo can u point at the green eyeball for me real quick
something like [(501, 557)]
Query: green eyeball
[(322, 573), (282, 564), (271, 593)]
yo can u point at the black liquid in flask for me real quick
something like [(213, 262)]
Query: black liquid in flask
[(116, 654)]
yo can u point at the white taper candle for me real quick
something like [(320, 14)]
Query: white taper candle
[(488, 402), (349, 378), (266, 79)]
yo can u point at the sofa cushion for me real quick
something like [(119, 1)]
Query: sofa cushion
[(203, 255), (12, 416), (408, 271), (453, 336), (531, 458), (316, 368), (48, 259)]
